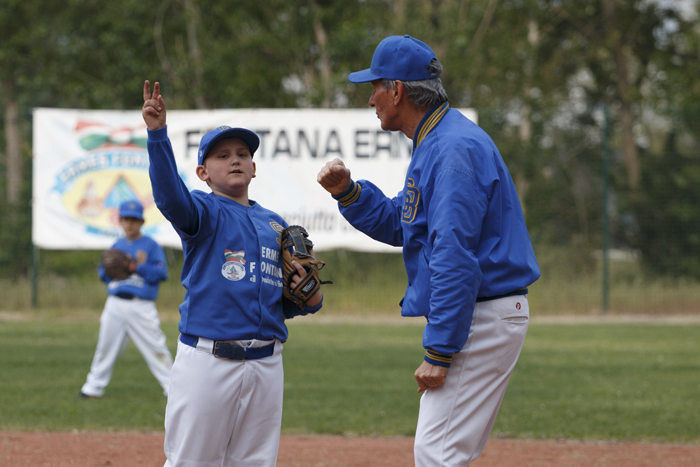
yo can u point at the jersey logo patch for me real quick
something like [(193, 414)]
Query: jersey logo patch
[(277, 228), (410, 202), (234, 267)]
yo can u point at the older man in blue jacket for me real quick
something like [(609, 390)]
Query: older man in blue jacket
[(466, 249)]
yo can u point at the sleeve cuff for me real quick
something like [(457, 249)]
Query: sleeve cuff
[(315, 308), (438, 359), (158, 135), (347, 198), (291, 310)]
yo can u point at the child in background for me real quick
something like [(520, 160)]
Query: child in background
[(130, 311)]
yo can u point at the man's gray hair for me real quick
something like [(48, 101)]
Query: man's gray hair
[(424, 93)]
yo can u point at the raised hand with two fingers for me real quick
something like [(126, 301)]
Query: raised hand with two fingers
[(153, 110)]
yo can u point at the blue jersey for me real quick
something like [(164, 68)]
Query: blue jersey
[(232, 271), (152, 269), (459, 221)]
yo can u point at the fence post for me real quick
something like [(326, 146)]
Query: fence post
[(35, 275), (605, 148)]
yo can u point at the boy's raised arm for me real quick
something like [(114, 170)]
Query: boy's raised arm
[(169, 191)]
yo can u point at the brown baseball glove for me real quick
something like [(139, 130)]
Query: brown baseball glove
[(296, 246), (117, 264)]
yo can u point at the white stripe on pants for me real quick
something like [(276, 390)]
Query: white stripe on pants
[(122, 320), (223, 412), (455, 420)]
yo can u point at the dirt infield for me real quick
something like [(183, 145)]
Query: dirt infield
[(100, 449)]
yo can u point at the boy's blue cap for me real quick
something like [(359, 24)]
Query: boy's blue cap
[(212, 137), (398, 57), (131, 209)]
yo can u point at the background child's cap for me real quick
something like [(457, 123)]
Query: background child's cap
[(398, 57), (212, 137), (131, 209)]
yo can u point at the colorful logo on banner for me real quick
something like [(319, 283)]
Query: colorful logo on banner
[(114, 169), (94, 135)]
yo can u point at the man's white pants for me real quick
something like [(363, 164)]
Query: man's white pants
[(122, 320), (455, 420), (223, 412)]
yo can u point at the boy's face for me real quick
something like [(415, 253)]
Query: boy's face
[(228, 169), (131, 226)]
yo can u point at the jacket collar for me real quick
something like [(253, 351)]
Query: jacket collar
[(429, 121)]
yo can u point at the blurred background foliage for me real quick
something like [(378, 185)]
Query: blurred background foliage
[(538, 72)]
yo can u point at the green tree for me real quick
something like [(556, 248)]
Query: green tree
[(22, 66), (535, 70)]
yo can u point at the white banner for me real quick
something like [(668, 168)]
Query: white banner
[(86, 162)]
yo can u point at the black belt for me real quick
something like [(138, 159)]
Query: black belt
[(223, 349), (522, 291), (125, 296)]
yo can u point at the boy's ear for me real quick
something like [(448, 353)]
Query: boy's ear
[(254, 168), (202, 173)]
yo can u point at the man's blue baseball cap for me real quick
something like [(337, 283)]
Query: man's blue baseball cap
[(223, 132), (398, 57), (131, 209)]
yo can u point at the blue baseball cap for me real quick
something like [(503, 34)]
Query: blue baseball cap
[(398, 57), (223, 132), (131, 209)]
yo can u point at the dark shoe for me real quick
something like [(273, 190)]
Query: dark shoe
[(82, 395)]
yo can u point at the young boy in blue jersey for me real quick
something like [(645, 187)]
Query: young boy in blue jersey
[(130, 311), (225, 401)]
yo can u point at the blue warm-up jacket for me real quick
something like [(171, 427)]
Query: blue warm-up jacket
[(459, 221)]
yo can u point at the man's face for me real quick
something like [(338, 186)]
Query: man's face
[(228, 168), (383, 101)]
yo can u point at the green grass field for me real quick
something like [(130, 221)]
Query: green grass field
[(637, 382), (369, 283)]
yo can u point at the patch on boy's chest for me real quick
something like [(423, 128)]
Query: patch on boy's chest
[(234, 267)]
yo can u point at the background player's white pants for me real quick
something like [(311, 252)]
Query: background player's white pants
[(122, 320), (455, 420), (223, 412)]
